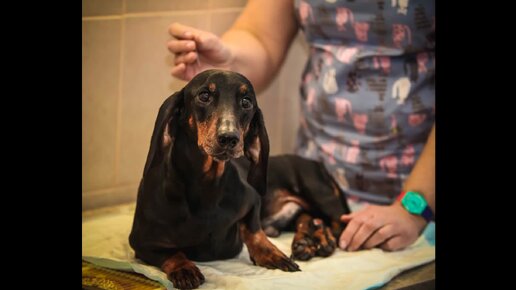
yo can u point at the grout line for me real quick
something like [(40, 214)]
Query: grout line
[(119, 100), (105, 189), (106, 17), (161, 13)]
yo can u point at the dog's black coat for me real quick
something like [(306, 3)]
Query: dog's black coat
[(192, 203)]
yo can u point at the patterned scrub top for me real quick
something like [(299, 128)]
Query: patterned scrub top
[(368, 98)]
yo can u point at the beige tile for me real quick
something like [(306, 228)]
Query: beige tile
[(222, 21), (146, 84), (290, 76), (227, 3), (109, 197), (100, 79), (135, 6), (101, 7)]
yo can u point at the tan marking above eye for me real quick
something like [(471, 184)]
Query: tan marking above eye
[(243, 89), (212, 87)]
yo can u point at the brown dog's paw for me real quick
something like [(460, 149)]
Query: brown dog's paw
[(276, 260), (264, 253), (303, 249), (315, 239), (187, 277), (325, 241)]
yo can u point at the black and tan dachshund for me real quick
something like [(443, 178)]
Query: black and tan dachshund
[(199, 199), (302, 196), (193, 203)]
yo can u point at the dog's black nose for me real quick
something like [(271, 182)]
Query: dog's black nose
[(228, 140)]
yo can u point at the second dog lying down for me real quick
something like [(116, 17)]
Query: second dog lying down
[(302, 196)]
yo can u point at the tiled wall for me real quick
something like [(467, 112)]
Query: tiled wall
[(126, 77)]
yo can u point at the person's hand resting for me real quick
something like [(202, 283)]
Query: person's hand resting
[(390, 228), (195, 51)]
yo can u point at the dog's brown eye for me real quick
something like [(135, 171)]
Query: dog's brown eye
[(204, 97), (246, 103)]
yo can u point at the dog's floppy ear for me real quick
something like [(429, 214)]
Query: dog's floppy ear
[(165, 129), (256, 147)]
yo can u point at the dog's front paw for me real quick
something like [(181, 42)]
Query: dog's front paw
[(275, 259), (318, 240), (303, 249), (263, 253), (186, 277), (326, 243)]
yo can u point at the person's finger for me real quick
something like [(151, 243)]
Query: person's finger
[(186, 58), (180, 46), (347, 217), (206, 41), (349, 232), (394, 244), (384, 233), (181, 31), (368, 227), (179, 71)]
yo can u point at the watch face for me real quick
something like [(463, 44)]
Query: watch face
[(413, 202)]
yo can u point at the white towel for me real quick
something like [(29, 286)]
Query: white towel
[(105, 243)]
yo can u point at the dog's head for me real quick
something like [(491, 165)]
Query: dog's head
[(219, 110), (222, 111)]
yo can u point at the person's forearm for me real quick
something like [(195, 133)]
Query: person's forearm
[(422, 177), (260, 38), (250, 58)]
